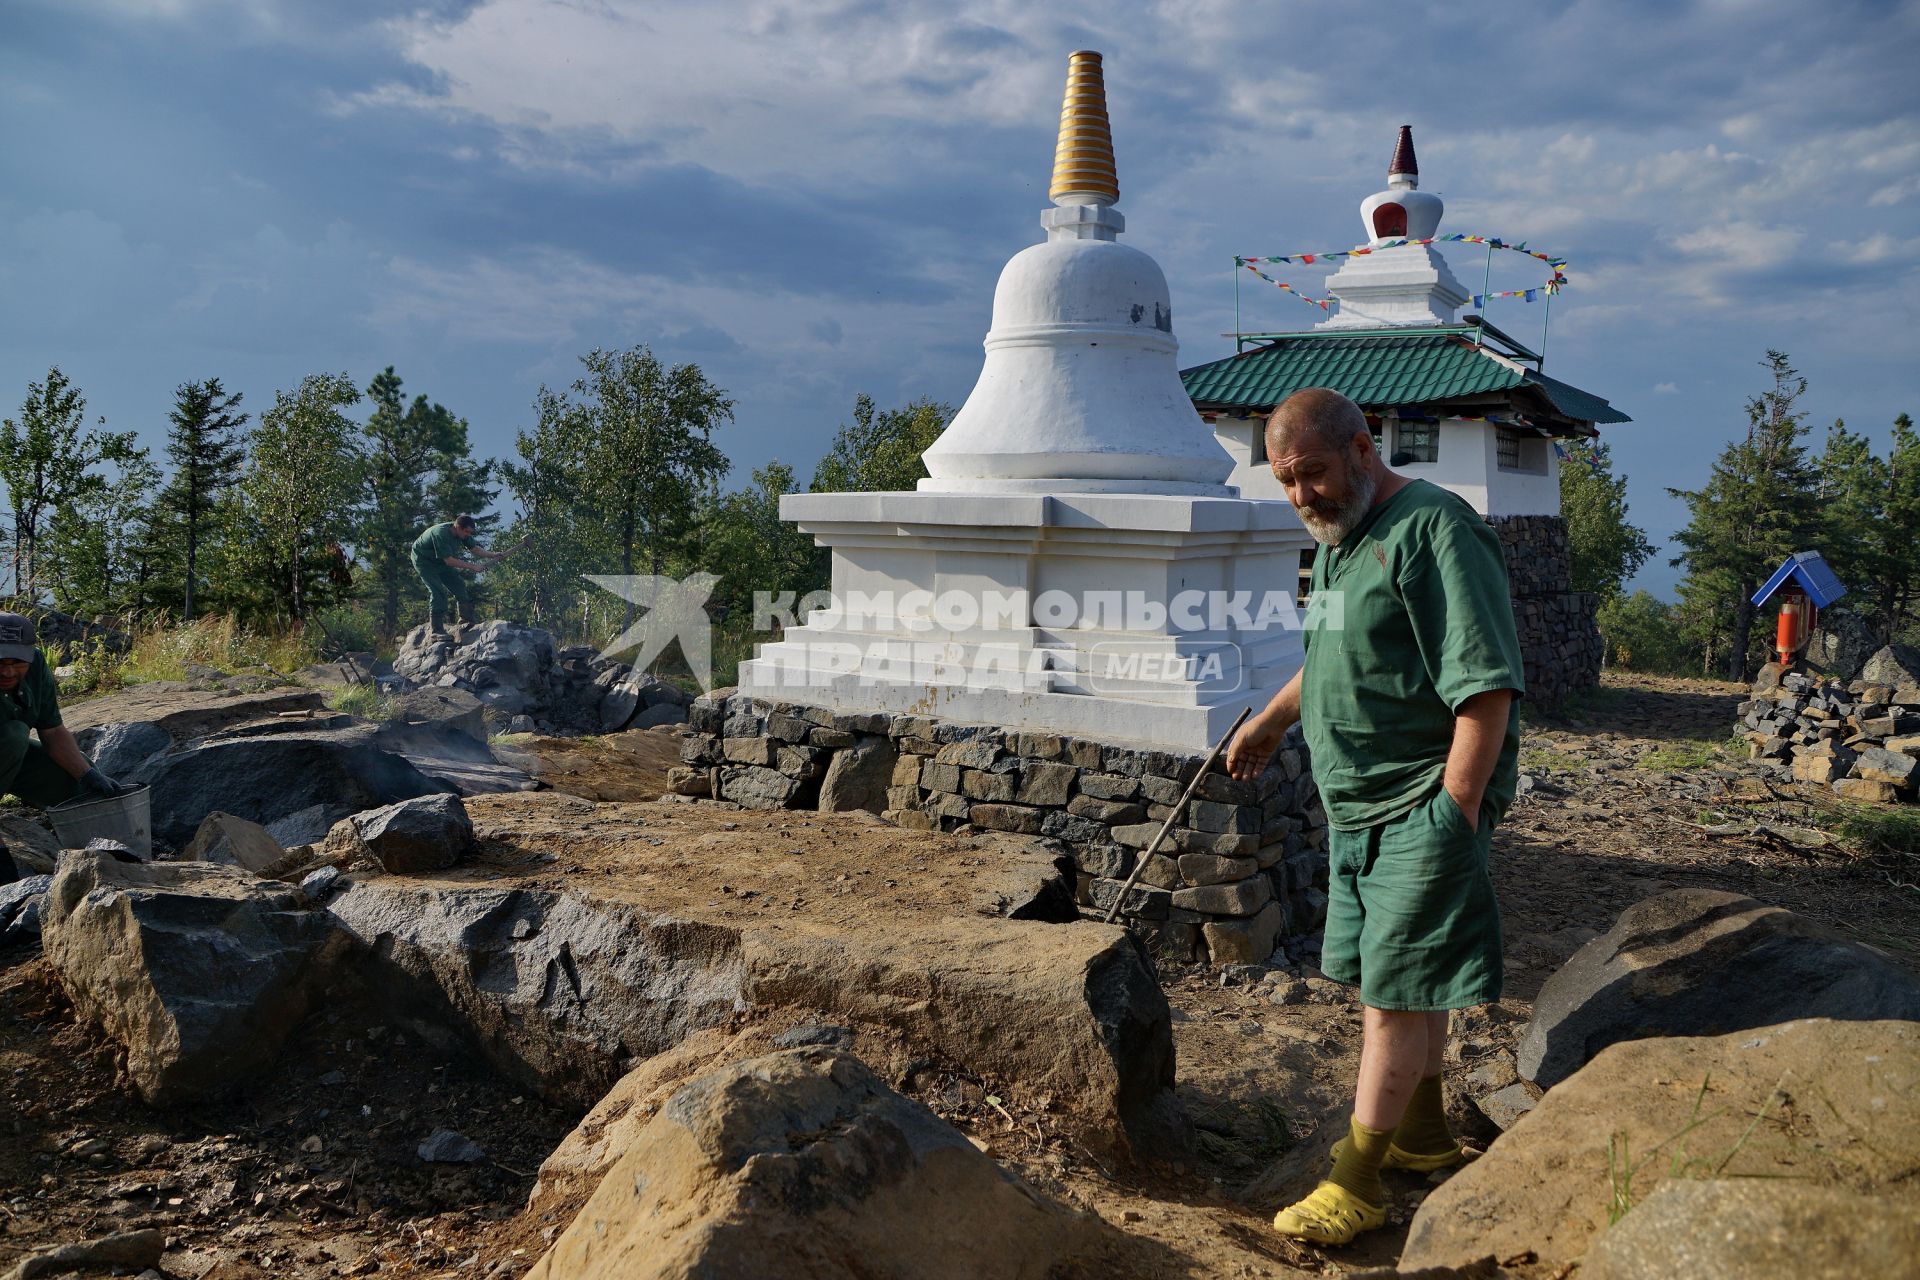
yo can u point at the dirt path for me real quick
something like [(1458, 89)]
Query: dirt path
[(1634, 796)]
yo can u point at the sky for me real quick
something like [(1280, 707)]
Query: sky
[(813, 200)]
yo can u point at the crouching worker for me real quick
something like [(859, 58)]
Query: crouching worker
[(1409, 710), (52, 770), (440, 556)]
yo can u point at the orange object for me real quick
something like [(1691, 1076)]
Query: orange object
[(1797, 613)]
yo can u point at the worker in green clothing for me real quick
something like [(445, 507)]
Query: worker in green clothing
[(52, 770), (1410, 711), (440, 556)]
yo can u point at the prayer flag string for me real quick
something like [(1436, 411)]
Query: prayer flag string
[(1553, 285)]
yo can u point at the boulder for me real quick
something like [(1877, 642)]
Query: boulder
[(119, 749), (30, 840), (236, 842), (1896, 665), (858, 777), (268, 777), (805, 1165), (200, 971), (1702, 961), (426, 833), (1841, 644), (1814, 1103), (183, 712), (452, 711), (22, 906), (1760, 1231), (662, 713), (567, 993)]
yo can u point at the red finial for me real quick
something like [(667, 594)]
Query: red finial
[(1403, 161)]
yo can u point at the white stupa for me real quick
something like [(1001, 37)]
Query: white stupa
[(1409, 284), (1075, 561)]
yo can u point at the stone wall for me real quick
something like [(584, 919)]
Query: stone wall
[(1859, 737), (1244, 870), (1560, 642)]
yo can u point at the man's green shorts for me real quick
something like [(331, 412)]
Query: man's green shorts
[(1411, 916)]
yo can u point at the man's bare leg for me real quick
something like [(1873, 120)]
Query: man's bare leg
[(1396, 1051)]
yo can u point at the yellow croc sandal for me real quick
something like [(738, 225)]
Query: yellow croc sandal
[(1399, 1159), (1331, 1215)]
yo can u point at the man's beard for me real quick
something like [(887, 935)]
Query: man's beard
[(1331, 525)]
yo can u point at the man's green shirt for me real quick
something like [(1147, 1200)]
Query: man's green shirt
[(36, 699), (439, 542), (1413, 618)]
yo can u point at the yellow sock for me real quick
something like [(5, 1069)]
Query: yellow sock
[(1358, 1168), (1423, 1129)]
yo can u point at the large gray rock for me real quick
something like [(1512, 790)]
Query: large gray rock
[(267, 777), (199, 971), (451, 711), (184, 712), (1842, 644), (567, 992), (805, 1165), (22, 907), (858, 777), (1805, 1104), (427, 833), (1759, 1231), (1703, 962), (236, 842), (557, 991), (1896, 664), (120, 749)]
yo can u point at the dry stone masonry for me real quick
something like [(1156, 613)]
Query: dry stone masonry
[(1861, 737), (1245, 870), (1560, 642)]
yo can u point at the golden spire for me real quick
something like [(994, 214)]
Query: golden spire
[(1083, 171)]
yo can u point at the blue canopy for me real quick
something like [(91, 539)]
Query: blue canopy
[(1810, 572)]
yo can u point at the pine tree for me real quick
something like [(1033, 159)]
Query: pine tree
[(1760, 505), (204, 446), (1852, 488), (1606, 549), (1896, 590)]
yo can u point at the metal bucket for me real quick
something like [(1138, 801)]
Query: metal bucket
[(127, 818)]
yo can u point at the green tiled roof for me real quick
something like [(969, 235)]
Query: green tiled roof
[(1379, 371)]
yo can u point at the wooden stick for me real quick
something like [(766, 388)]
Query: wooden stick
[(1167, 826)]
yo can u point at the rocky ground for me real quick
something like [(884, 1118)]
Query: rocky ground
[(314, 1169)]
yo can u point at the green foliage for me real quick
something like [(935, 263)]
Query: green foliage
[(745, 540), (1895, 588), (48, 462), (167, 650), (556, 537), (647, 451), (343, 629), (203, 443), (96, 551), (363, 700), (879, 451), (1879, 832), (1643, 634), (1759, 505), (1607, 550), (297, 486)]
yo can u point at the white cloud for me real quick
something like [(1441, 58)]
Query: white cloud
[(1666, 389)]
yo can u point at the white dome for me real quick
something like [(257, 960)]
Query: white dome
[(1080, 390)]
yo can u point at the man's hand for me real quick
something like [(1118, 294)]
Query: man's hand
[(99, 783), (1253, 747), (1479, 731)]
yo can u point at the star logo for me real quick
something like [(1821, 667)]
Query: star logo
[(676, 610)]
